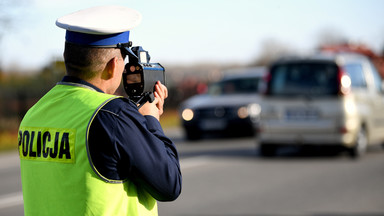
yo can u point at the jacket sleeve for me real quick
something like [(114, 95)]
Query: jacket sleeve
[(135, 148)]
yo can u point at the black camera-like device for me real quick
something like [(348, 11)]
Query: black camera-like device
[(140, 76)]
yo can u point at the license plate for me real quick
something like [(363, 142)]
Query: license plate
[(301, 114), (213, 124)]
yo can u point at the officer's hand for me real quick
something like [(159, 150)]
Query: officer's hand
[(161, 93), (150, 109), (155, 108)]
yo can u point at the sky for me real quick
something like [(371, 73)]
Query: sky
[(191, 32)]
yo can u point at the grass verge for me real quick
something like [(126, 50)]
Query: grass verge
[(169, 119), (8, 141)]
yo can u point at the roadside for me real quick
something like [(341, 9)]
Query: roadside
[(169, 120), (8, 141)]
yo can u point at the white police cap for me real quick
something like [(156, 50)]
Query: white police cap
[(102, 26)]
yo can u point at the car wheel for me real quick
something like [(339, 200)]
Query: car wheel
[(360, 147), (267, 150)]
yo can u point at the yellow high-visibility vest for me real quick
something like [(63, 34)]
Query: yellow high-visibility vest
[(57, 173)]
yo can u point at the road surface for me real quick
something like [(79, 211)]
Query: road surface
[(226, 176)]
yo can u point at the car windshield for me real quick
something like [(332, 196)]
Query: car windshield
[(304, 79), (235, 86)]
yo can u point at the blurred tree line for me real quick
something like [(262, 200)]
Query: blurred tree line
[(19, 91)]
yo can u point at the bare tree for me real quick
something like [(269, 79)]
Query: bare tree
[(8, 17), (271, 50), (331, 36)]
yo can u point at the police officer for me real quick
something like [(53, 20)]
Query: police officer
[(85, 151)]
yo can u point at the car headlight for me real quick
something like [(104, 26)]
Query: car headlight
[(187, 114), (242, 112), (252, 111)]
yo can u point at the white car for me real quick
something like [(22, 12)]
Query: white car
[(231, 106)]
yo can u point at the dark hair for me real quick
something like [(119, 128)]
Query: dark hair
[(86, 62)]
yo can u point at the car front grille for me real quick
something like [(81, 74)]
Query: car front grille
[(216, 112)]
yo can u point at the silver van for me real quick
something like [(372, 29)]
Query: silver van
[(326, 99)]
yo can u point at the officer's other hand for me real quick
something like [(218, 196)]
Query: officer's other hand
[(155, 108), (161, 93)]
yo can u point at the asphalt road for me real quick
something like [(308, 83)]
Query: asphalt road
[(226, 176)]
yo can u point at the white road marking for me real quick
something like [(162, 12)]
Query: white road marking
[(16, 198), (193, 162), (12, 199)]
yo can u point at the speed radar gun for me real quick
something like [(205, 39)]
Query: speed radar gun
[(140, 76)]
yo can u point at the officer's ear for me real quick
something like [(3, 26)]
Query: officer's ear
[(112, 68)]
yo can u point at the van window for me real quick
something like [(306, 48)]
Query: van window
[(303, 79), (356, 73), (377, 78)]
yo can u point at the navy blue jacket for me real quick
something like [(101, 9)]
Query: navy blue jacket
[(124, 144)]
